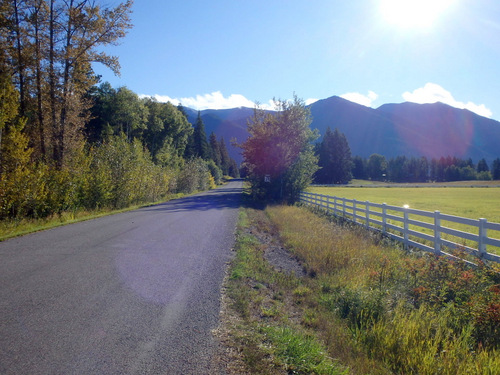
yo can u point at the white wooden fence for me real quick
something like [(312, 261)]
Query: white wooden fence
[(395, 222)]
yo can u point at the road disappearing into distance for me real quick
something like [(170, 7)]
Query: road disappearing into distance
[(132, 293)]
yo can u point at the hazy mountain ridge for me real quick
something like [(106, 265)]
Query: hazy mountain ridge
[(431, 130)]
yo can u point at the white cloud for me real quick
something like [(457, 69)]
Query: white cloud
[(356, 97), (310, 101), (214, 100), (432, 93)]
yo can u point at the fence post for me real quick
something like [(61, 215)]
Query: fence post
[(384, 218), (343, 208), (437, 233), (483, 236), (367, 212), (335, 205), (354, 210), (406, 228)]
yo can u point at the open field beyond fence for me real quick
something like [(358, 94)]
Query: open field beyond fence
[(473, 203), (466, 204)]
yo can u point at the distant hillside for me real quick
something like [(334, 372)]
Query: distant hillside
[(431, 130), (436, 130)]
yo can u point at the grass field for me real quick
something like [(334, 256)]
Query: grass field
[(469, 202), (473, 203)]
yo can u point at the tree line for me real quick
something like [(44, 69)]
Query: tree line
[(338, 167), (421, 169), (67, 143)]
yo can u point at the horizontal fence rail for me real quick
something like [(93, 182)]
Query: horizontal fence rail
[(429, 231)]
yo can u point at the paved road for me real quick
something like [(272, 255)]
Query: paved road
[(134, 293)]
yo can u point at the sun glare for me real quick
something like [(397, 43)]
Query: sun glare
[(420, 14)]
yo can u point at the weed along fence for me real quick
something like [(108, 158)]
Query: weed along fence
[(429, 231)]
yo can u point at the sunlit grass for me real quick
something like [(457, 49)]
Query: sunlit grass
[(269, 341), (368, 285), (472, 203)]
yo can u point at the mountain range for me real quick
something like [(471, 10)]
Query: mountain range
[(410, 129)]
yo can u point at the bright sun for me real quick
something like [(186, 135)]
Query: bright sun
[(419, 14)]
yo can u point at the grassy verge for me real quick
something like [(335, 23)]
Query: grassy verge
[(364, 304), (15, 228), (268, 331)]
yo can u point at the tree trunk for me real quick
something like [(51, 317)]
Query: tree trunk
[(20, 59), (52, 84), (38, 57)]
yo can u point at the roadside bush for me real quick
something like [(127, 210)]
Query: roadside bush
[(114, 174), (193, 176), (215, 171)]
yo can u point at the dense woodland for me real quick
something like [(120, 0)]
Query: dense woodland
[(67, 143)]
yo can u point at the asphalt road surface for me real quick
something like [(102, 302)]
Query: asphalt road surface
[(133, 293)]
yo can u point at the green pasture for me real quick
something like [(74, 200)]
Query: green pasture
[(473, 203), (469, 202)]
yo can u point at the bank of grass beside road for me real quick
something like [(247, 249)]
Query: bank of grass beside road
[(364, 305)]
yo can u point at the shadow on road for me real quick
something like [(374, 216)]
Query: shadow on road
[(218, 199)]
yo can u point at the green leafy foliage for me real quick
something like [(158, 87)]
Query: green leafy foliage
[(278, 154)]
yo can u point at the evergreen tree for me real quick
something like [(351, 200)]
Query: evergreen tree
[(495, 170), (397, 169), (181, 109), (482, 166), (200, 143), (233, 169), (224, 157), (215, 154), (359, 168), (334, 159), (377, 167)]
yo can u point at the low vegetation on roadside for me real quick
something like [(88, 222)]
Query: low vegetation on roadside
[(366, 305)]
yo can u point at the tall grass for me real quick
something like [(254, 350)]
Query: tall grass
[(401, 313), (270, 339)]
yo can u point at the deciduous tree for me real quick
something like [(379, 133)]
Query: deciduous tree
[(50, 46), (279, 154)]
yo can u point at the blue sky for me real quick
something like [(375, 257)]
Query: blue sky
[(230, 53)]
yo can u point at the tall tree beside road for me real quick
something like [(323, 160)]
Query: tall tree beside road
[(225, 159), (50, 46), (215, 154), (279, 154), (200, 143)]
